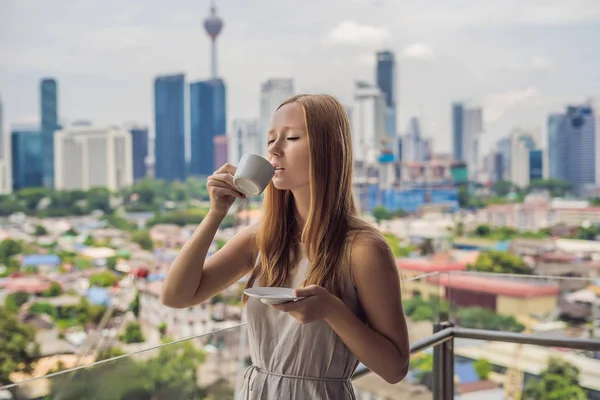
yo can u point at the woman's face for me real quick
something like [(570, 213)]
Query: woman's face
[(288, 148)]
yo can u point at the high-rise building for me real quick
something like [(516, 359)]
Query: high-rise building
[(242, 138), (5, 157), (467, 127), (139, 151), (169, 125), (369, 137), (386, 80), (208, 119), (457, 131), (27, 157), (49, 112), (220, 150), (213, 26), (572, 147), (413, 144), (88, 157), (272, 93), (536, 166)]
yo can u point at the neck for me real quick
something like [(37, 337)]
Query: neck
[(302, 202)]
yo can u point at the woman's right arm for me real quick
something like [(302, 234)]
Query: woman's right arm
[(193, 278)]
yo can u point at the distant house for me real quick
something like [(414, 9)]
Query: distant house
[(43, 262)]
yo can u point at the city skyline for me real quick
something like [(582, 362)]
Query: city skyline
[(515, 66)]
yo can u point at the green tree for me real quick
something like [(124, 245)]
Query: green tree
[(31, 197), (395, 244), (54, 290), (502, 187), (89, 241), (107, 354), (99, 199), (14, 301), (143, 239), (43, 308), (103, 279), (482, 318), (560, 381), (483, 368), (556, 187), (9, 248), (381, 213), (135, 305), (500, 262), (40, 230), (482, 230), (133, 333), (162, 329), (18, 348)]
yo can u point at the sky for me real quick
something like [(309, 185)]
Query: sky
[(518, 59)]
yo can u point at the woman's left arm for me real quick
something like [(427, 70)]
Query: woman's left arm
[(382, 345)]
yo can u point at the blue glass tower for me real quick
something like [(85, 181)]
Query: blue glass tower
[(169, 122), (27, 158), (536, 170), (49, 111), (139, 147), (207, 120), (457, 131)]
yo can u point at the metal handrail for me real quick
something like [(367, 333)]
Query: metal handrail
[(447, 334)]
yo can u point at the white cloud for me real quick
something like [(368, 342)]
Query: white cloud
[(418, 51), (540, 64), (498, 104), (353, 33)]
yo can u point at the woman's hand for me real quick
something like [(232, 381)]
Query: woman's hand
[(222, 190), (316, 305)]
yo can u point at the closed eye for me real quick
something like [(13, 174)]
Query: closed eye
[(293, 138)]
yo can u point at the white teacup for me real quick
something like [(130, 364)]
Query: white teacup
[(253, 174)]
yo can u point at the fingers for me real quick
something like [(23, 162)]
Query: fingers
[(224, 181), (226, 168), (223, 189)]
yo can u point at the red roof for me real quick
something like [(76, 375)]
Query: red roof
[(497, 286), (27, 283), (426, 266)]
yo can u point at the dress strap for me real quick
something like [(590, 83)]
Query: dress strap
[(253, 369)]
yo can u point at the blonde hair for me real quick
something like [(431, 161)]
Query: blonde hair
[(333, 214)]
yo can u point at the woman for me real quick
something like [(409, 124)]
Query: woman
[(310, 238)]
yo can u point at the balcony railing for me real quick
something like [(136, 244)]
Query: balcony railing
[(441, 324)]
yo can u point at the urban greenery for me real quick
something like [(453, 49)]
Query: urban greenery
[(18, 348), (500, 262), (559, 381), (133, 333), (482, 368)]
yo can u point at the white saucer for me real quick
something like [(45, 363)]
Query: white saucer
[(272, 295)]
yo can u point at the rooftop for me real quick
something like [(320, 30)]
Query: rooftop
[(496, 286)]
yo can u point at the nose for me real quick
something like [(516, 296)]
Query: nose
[(275, 148)]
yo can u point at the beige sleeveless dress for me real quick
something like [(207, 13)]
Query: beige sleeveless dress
[(292, 361)]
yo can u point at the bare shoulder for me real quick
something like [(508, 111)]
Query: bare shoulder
[(370, 253)]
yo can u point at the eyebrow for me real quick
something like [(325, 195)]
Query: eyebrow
[(288, 128)]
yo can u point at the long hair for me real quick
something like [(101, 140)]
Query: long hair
[(333, 214)]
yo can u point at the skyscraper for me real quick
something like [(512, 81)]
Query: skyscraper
[(272, 93), (242, 138), (208, 119), (169, 123), (139, 149), (49, 111), (369, 139), (88, 157), (213, 25), (5, 157), (27, 157), (467, 127), (457, 132), (386, 80), (572, 147)]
